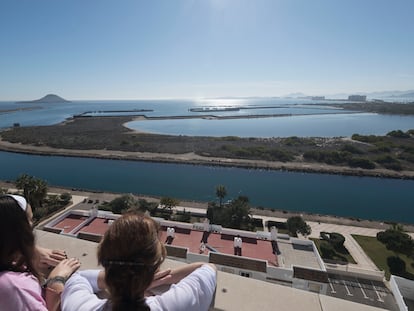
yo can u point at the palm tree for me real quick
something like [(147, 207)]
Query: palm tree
[(34, 189), (221, 192)]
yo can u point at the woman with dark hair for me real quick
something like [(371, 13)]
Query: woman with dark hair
[(131, 254), (20, 279)]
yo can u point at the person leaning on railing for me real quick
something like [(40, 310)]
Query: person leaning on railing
[(131, 254), (23, 285)]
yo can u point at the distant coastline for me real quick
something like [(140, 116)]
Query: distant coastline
[(49, 98), (107, 137)]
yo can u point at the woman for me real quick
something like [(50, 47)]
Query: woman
[(20, 279), (131, 254)]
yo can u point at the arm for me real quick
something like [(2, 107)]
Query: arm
[(56, 282), (194, 292), (49, 257), (79, 292)]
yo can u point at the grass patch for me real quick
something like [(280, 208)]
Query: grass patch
[(341, 255), (379, 253)]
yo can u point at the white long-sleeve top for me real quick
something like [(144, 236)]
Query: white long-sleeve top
[(193, 293)]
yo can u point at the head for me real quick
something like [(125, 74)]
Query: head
[(131, 253), (17, 241)]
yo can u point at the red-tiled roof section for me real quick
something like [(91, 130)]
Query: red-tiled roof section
[(71, 222), (96, 226), (253, 248)]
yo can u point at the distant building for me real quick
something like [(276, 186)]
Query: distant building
[(357, 98), (318, 97)]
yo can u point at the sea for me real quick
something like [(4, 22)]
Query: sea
[(380, 199)]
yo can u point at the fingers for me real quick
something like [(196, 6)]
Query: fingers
[(52, 258), (161, 274), (58, 255), (66, 267)]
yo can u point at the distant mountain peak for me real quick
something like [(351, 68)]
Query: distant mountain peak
[(49, 98)]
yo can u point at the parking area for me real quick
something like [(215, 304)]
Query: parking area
[(364, 291)]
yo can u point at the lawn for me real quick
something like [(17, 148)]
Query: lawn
[(341, 255), (379, 253)]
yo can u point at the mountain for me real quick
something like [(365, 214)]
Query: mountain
[(409, 94), (49, 98)]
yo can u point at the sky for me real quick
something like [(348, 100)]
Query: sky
[(132, 49)]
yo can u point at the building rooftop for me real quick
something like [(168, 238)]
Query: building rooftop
[(233, 292)]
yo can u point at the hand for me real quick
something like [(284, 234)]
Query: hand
[(65, 268), (49, 257), (161, 278)]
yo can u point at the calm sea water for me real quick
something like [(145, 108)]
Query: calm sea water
[(363, 197), (308, 120)]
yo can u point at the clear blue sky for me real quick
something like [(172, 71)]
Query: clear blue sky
[(130, 49)]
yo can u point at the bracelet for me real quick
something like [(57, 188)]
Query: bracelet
[(55, 279)]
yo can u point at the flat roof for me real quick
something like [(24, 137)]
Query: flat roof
[(283, 253), (233, 292), (221, 243), (297, 255), (70, 222), (97, 226)]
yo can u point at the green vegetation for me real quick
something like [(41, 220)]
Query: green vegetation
[(399, 134), (384, 107), (221, 192), (379, 254), (329, 252), (296, 224), (364, 152), (235, 214), (259, 153), (34, 190), (169, 203), (396, 240)]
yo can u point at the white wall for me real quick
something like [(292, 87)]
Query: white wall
[(399, 288)]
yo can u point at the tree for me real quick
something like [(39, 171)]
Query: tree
[(335, 239), (221, 192), (396, 264), (396, 240), (169, 203), (66, 197), (296, 225), (145, 205), (238, 213), (34, 189), (235, 215), (123, 203)]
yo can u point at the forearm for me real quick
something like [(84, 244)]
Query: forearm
[(179, 273), (52, 295)]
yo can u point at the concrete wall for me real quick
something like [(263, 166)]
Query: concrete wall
[(355, 272), (401, 288), (281, 274)]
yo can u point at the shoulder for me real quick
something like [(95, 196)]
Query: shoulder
[(21, 290), (19, 280), (193, 293), (79, 293)]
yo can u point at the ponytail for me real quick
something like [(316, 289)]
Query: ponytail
[(128, 304)]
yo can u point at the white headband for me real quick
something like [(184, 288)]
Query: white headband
[(20, 200)]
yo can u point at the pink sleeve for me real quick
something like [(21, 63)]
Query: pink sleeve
[(21, 291)]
